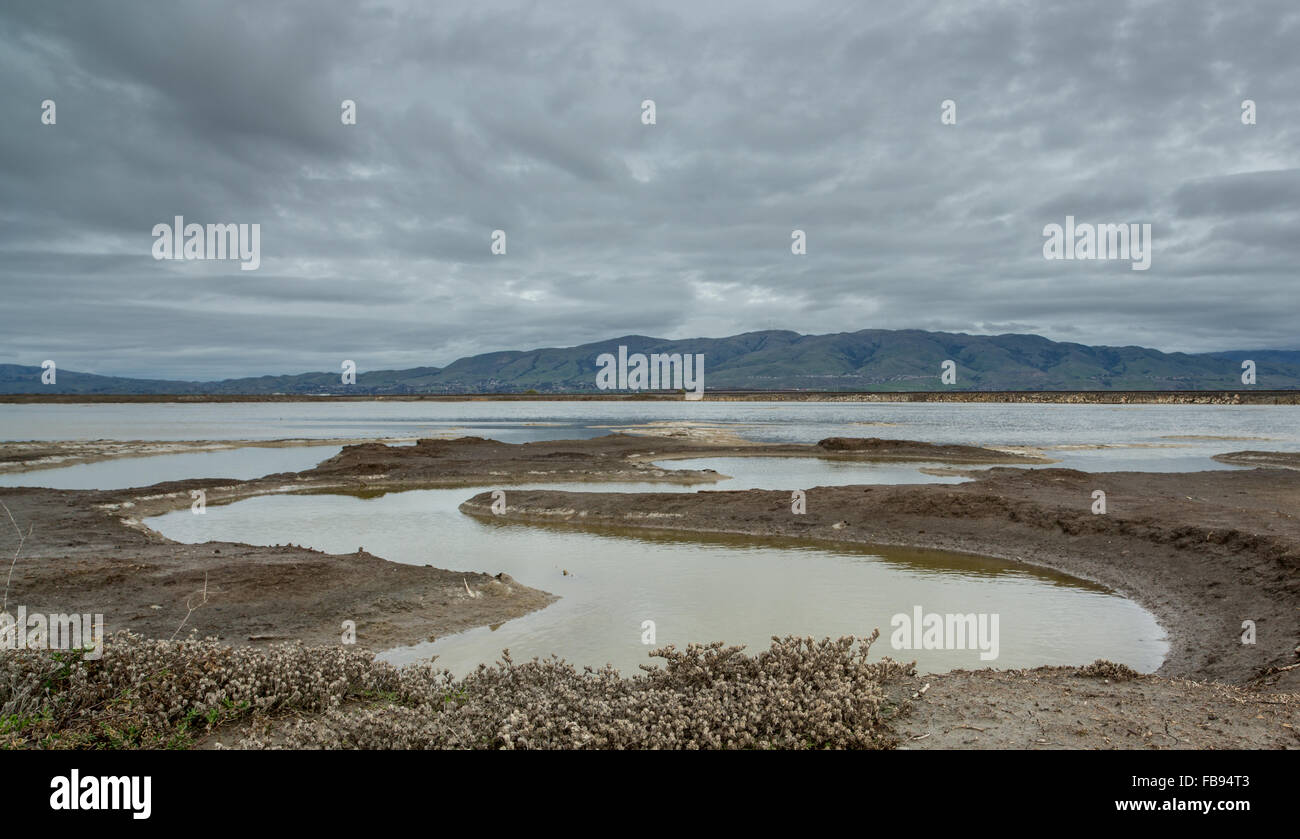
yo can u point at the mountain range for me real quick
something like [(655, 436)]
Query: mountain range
[(867, 360)]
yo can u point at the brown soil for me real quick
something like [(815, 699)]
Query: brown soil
[(912, 450), (1203, 551), (1060, 708), (81, 557)]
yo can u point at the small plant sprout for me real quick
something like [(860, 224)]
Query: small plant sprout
[(189, 602)]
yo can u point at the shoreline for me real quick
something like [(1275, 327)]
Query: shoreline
[(1079, 397)]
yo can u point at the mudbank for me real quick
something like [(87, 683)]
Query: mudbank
[(1204, 551), (89, 550)]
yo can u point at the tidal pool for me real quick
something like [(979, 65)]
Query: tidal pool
[(738, 590)]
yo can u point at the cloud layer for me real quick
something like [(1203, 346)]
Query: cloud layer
[(527, 118)]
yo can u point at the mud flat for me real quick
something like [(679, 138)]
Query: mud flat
[(1275, 460), (84, 552), (88, 551), (1204, 551), (615, 457), (35, 455)]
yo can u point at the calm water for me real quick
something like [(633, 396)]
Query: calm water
[(732, 589), (240, 464), (1136, 437), (774, 421)]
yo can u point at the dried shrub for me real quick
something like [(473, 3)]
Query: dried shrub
[(799, 693), (157, 694), (1103, 669)]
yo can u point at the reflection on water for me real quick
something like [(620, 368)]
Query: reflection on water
[(739, 590)]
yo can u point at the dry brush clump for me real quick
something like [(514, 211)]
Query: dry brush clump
[(156, 694), (1104, 669), (799, 693)]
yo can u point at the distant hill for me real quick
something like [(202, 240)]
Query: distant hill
[(869, 360)]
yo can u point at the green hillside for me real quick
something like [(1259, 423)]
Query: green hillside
[(869, 360)]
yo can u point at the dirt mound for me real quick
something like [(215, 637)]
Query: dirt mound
[(1103, 669), (914, 450), (1275, 460)]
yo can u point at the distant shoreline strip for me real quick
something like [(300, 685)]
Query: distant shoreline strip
[(1098, 397)]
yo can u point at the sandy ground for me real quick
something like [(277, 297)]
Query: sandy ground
[(1060, 708), (29, 456), (1203, 551)]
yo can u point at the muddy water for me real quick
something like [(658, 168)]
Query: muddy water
[(733, 589)]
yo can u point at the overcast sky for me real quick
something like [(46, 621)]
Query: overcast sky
[(527, 117)]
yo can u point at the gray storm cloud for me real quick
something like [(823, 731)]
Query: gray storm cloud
[(527, 118)]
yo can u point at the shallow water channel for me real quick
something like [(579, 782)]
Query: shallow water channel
[(733, 589)]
